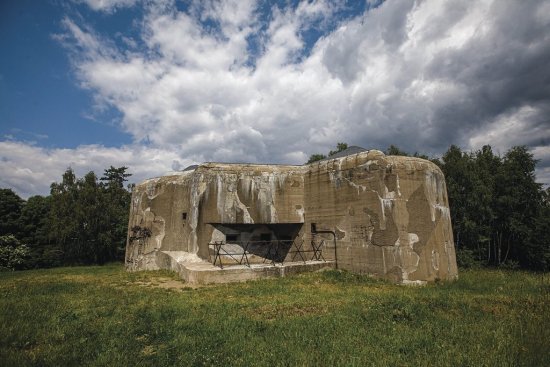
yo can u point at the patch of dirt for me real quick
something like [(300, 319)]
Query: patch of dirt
[(149, 350), (165, 283)]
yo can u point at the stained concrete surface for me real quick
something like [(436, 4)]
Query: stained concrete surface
[(390, 215)]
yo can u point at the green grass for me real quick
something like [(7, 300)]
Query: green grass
[(104, 316)]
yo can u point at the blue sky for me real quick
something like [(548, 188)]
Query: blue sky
[(40, 99), (157, 85), (39, 88)]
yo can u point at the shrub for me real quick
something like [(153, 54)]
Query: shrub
[(465, 258), (13, 255)]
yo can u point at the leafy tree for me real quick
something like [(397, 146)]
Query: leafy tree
[(115, 177), (83, 221), (90, 209), (470, 181), (484, 166), (89, 217), (339, 148), (517, 205), (394, 150), (10, 211), (537, 248), (455, 166), (117, 210), (63, 222), (34, 222), (315, 158), (498, 211)]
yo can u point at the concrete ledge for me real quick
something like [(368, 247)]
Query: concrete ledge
[(203, 272)]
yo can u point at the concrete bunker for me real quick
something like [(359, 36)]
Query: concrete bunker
[(366, 212)]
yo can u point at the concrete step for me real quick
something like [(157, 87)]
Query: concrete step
[(197, 272)]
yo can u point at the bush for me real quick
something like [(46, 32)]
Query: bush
[(465, 258), (13, 255)]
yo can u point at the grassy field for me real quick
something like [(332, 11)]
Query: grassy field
[(103, 316)]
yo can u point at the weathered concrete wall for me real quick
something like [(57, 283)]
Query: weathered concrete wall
[(236, 193), (213, 193), (390, 214), (157, 204)]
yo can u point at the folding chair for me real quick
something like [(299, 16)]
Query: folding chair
[(317, 250), (299, 250)]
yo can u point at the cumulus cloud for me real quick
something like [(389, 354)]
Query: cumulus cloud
[(109, 6), (235, 81), (30, 169)]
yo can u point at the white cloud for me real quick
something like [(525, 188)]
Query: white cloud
[(419, 74), (542, 154), (31, 169), (524, 126), (109, 5)]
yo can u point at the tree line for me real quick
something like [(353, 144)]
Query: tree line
[(82, 221), (499, 213)]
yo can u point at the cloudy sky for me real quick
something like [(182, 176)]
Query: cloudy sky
[(157, 85)]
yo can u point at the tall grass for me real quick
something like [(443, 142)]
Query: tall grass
[(104, 316)]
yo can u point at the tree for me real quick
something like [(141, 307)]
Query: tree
[(537, 247), (117, 210), (10, 211), (499, 213), (63, 222), (518, 203), (317, 157), (484, 166), (34, 222), (394, 150), (90, 211), (340, 147), (83, 221), (470, 179), (89, 218), (457, 166), (115, 177)]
